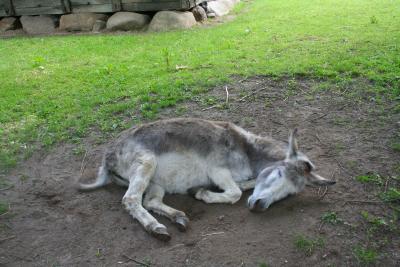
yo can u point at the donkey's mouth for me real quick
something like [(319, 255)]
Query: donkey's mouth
[(258, 205)]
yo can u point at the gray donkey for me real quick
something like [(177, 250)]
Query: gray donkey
[(193, 155)]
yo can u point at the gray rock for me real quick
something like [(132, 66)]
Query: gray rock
[(199, 13), (38, 24), (80, 21), (211, 15), (127, 21), (170, 20), (9, 23), (99, 25), (221, 7)]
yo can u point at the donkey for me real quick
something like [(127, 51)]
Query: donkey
[(192, 155)]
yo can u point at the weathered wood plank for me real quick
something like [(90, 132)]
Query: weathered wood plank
[(151, 1), (89, 2), (66, 6), (37, 7), (9, 8), (116, 5), (40, 11), (147, 6), (35, 3), (104, 8)]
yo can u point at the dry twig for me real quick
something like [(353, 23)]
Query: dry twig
[(363, 201), (227, 96), (136, 261), (7, 238), (6, 188), (252, 93), (82, 164), (216, 233), (320, 117)]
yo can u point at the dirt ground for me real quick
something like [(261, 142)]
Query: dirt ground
[(51, 224)]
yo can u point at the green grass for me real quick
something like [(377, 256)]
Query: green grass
[(365, 256), (61, 88), (396, 147), (371, 178), (391, 195), (3, 207), (308, 245), (331, 218)]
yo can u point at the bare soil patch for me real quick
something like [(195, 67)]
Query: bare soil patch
[(50, 224)]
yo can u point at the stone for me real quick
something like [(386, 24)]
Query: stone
[(99, 25), (199, 13), (80, 21), (9, 23), (211, 15), (42, 24), (221, 7), (127, 21), (171, 20)]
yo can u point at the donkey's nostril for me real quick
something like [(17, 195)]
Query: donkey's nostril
[(256, 205)]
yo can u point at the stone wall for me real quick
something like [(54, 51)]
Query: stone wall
[(118, 21)]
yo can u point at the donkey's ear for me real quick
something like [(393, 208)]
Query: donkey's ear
[(292, 148)]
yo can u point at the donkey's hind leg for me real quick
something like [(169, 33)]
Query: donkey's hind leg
[(141, 172), (153, 201)]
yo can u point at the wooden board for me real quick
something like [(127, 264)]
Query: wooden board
[(38, 7)]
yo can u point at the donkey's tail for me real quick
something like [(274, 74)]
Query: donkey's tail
[(103, 178)]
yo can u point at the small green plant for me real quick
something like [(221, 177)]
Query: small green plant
[(377, 223), (38, 62), (365, 256), (308, 245), (263, 264), (396, 147), (331, 218), (370, 178), (339, 147), (209, 101), (391, 195), (167, 58), (181, 110), (373, 20), (23, 178), (98, 253), (4, 207), (79, 150)]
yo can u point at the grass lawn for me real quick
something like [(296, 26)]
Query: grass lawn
[(58, 88)]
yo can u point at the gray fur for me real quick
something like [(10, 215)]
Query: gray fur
[(173, 156)]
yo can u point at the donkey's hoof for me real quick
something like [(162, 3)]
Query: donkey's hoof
[(182, 223), (161, 234)]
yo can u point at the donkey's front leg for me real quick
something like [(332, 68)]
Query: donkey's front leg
[(141, 173), (247, 185), (222, 178)]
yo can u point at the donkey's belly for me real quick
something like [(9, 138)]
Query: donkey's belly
[(176, 173)]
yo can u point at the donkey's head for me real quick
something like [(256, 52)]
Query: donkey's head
[(285, 177)]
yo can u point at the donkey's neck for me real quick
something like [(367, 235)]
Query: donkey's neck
[(264, 152)]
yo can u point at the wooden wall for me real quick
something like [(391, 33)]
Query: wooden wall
[(37, 7)]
